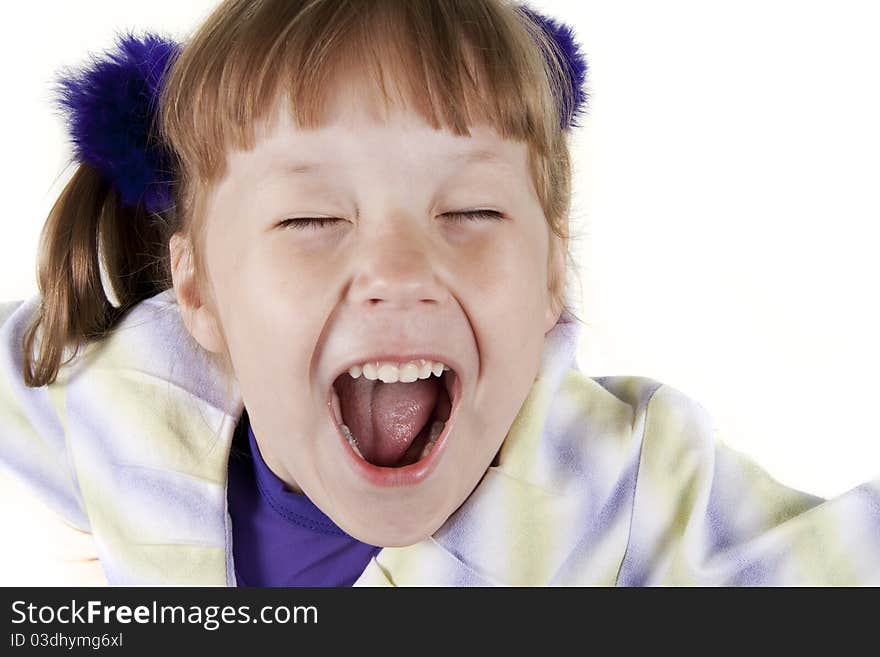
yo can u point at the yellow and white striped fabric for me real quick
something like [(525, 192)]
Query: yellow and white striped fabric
[(616, 480)]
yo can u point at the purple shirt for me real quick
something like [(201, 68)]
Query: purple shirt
[(280, 538)]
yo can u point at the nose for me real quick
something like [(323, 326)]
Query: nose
[(396, 266)]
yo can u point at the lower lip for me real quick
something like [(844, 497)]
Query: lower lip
[(409, 475)]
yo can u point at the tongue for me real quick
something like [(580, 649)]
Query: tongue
[(385, 418)]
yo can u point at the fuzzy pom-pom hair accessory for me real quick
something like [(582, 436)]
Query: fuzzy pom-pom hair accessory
[(110, 108)]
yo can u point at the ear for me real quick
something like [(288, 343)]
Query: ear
[(555, 280), (198, 317)]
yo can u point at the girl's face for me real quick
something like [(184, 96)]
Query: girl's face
[(391, 275)]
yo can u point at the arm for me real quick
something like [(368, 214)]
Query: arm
[(40, 548), (705, 514), (46, 528)]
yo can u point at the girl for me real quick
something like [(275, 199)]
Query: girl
[(334, 345)]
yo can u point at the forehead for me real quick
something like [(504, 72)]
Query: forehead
[(399, 140), (363, 118), (402, 138)]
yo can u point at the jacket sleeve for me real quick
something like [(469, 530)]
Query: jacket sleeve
[(707, 515), (46, 528)]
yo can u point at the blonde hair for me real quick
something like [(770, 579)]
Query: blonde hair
[(454, 62)]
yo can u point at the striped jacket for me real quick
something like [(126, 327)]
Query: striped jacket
[(117, 473)]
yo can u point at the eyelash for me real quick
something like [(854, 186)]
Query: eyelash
[(301, 223)]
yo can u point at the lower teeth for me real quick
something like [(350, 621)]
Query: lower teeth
[(436, 430), (351, 439)]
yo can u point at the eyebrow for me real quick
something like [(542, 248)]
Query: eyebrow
[(300, 167), (462, 158), (479, 155)]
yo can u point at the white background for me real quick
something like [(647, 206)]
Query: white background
[(726, 191)]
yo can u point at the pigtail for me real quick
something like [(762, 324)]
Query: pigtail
[(112, 212), (75, 308)]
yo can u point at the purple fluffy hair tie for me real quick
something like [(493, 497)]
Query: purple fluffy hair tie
[(575, 63), (110, 107), (110, 111)]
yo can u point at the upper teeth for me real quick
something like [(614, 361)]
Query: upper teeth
[(394, 372)]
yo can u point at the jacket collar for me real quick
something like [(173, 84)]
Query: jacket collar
[(157, 497)]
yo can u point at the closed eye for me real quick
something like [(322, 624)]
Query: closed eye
[(302, 223), (474, 215)]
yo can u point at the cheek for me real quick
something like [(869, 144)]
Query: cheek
[(227, 269), (509, 272), (508, 303), (295, 266), (272, 280), (264, 300)]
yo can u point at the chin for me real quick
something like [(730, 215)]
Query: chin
[(392, 528)]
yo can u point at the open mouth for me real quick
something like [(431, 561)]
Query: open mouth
[(392, 425)]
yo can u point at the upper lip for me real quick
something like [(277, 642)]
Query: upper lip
[(399, 357)]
